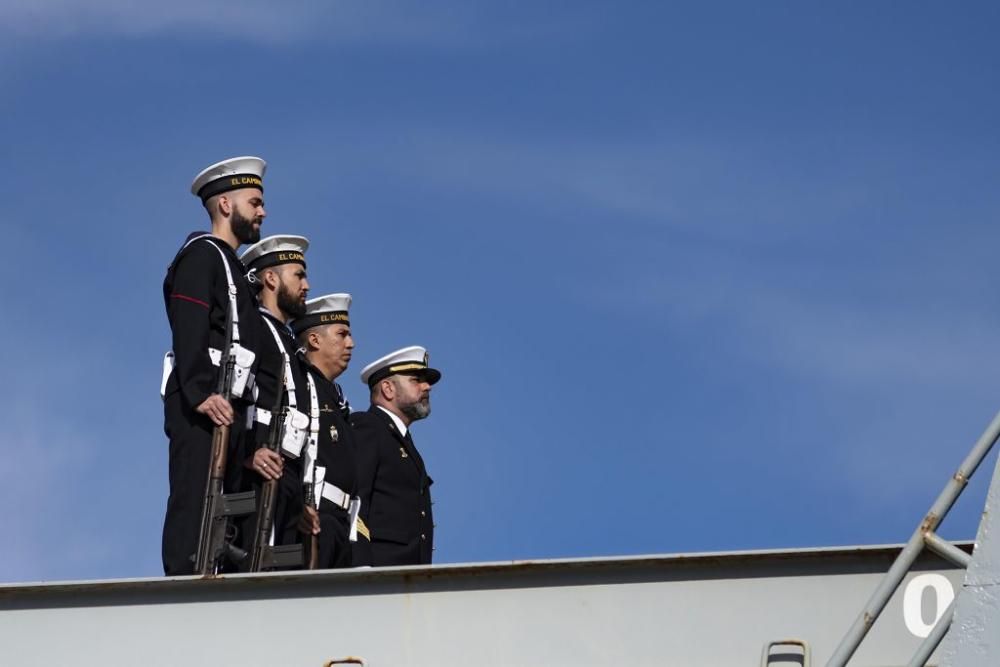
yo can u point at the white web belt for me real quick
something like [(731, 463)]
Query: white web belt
[(322, 488), (232, 287), (288, 379)]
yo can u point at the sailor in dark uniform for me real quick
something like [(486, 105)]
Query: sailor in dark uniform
[(204, 282), (276, 266), (329, 467), (392, 482)]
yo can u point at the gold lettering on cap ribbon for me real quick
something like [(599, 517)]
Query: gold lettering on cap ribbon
[(245, 180)]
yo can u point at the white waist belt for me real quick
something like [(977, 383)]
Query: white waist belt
[(332, 493), (344, 502)]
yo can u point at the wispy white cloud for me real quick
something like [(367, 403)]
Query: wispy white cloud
[(59, 18), (864, 329), (433, 23), (859, 340), (762, 258), (902, 317), (904, 368), (694, 184)]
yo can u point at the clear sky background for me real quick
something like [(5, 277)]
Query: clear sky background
[(703, 276)]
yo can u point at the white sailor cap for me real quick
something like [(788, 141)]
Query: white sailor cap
[(274, 250), (407, 361), (232, 174), (328, 309)]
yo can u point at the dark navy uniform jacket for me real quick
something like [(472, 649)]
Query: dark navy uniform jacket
[(196, 294), (395, 494), (270, 371), (336, 453), (336, 450), (270, 385)]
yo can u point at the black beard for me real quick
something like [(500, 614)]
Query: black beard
[(243, 228), (289, 304)]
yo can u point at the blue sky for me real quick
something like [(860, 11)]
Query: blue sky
[(699, 277)]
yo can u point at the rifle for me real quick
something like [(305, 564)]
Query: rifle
[(310, 545), (214, 540), (263, 554)]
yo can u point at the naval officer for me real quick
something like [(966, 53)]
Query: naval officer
[(330, 517), (205, 283), (392, 482), (276, 267)]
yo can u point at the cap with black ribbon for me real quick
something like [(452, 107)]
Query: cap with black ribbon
[(232, 174), (407, 361), (272, 251), (323, 310)]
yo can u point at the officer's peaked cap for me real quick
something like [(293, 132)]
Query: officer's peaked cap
[(407, 361)]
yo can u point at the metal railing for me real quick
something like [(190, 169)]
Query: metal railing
[(924, 537), (766, 655)]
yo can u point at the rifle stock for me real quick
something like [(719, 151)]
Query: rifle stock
[(215, 508), (265, 512), (310, 544), (212, 535)]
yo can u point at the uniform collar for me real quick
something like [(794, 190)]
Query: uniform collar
[(395, 420), (268, 314), (219, 241)]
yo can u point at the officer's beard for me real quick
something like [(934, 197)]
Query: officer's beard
[(417, 410), (243, 228), (288, 304)]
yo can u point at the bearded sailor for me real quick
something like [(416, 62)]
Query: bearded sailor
[(204, 291), (276, 267), (393, 483)]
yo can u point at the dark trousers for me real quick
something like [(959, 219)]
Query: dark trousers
[(334, 536), (190, 437), (287, 508)]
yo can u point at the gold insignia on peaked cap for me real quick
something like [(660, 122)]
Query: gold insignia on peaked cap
[(412, 360), (415, 366)]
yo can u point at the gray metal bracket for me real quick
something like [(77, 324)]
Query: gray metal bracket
[(924, 537), (974, 640)]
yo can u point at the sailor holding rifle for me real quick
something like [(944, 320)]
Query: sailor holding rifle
[(276, 266), (209, 304), (329, 520)]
